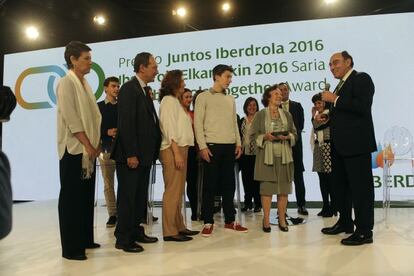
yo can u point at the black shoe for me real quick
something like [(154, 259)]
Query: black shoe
[(328, 214), (111, 222), (302, 211), (154, 219), (283, 228), (266, 229), (131, 248), (146, 239), (93, 245), (187, 232), (325, 213), (337, 229), (293, 221), (81, 257), (246, 209), (257, 210), (178, 238), (357, 239), (286, 219)]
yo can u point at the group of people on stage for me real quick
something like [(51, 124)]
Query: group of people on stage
[(126, 135)]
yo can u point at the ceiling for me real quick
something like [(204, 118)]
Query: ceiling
[(60, 21)]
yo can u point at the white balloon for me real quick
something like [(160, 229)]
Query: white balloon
[(400, 140)]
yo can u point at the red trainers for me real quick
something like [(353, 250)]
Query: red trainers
[(235, 227), (207, 230)]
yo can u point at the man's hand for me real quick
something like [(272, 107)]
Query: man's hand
[(112, 132), (205, 154), (132, 162), (328, 96), (238, 152)]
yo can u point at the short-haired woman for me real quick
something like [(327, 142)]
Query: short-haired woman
[(247, 159), (78, 126), (177, 136), (275, 135), (321, 147)]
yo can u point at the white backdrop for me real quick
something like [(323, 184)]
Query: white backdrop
[(296, 52)]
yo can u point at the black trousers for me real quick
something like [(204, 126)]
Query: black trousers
[(325, 184), (192, 174), (75, 207), (219, 175), (251, 187), (354, 187), (132, 201), (300, 192)]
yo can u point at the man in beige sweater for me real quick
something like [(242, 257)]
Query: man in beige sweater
[(218, 137)]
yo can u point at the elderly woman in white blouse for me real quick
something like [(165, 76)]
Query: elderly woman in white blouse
[(177, 136)]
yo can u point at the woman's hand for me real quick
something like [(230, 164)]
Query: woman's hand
[(179, 161), (269, 137), (92, 152), (283, 137)]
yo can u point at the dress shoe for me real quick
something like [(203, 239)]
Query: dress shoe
[(146, 239), (325, 213), (283, 228), (81, 257), (337, 229), (178, 238), (154, 219), (131, 248), (246, 209), (93, 245), (188, 232), (357, 239), (111, 222), (302, 211), (257, 210), (266, 229)]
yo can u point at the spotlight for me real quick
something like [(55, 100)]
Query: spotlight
[(32, 32), (181, 12), (328, 2), (225, 7), (99, 19)]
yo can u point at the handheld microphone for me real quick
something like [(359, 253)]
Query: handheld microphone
[(327, 86)]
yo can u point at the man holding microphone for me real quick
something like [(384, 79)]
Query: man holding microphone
[(353, 141)]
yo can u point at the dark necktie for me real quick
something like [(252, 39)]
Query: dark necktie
[(147, 90), (148, 95), (338, 87)]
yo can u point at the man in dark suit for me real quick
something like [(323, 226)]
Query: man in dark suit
[(296, 110), (135, 149), (353, 141), (6, 200)]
